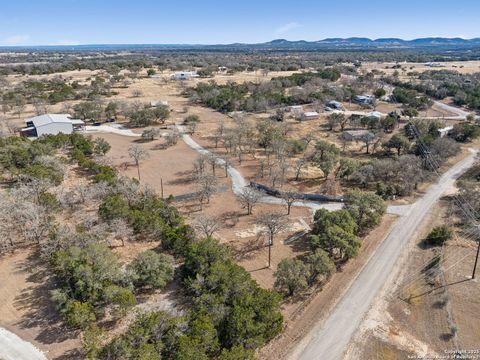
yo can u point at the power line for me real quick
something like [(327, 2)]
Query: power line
[(464, 205)]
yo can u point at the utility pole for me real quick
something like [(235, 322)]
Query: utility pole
[(476, 261), (161, 185), (270, 243)]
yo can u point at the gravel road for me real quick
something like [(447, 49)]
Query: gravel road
[(14, 348), (329, 339)]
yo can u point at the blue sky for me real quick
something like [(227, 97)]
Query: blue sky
[(64, 22)]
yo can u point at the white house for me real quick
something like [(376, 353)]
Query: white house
[(51, 124), (184, 75), (445, 131)]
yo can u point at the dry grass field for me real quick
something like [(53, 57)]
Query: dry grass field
[(463, 67), (25, 305)]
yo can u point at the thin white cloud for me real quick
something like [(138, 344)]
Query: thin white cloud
[(287, 28), (16, 39)]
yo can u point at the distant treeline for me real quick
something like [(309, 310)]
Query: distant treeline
[(53, 60)]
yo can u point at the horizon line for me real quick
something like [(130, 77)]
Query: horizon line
[(236, 43)]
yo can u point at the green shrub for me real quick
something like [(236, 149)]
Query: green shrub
[(321, 265), (292, 276), (79, 314), (150, 269), (439, 235)]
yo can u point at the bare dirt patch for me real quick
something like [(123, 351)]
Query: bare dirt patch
[(27, 310)]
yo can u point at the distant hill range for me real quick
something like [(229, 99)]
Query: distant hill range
[(359, 42), (283, 44)]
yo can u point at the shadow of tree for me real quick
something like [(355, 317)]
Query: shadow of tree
[(301, 245), (247, 250), (182, 178), (446, 336), (39, 309), (71, 355), (231, 218)]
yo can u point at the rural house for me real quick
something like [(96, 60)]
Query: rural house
[(445, 131), (184, 75), (51, 124)]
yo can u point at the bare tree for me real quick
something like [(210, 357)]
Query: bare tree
[(66, 108), (212, 159), (136, 93), (226, 164), (199, 165), (120, 230), (40, 106), (192, 127), (299, 165), (308, 139), (288, 198), (19, 105), (207, 186), (219, 133), (249, 198), (150, 134), (276, 174), (207, 225), (137, 153), (172, 138), (272, 223)]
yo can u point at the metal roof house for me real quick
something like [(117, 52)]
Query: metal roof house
[(51, 124)]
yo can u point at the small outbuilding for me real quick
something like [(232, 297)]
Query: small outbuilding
[(309, 115), (296, 108), (356, 135), (51, 124)]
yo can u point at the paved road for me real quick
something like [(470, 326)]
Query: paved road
[(14, 348), (329, 339)]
